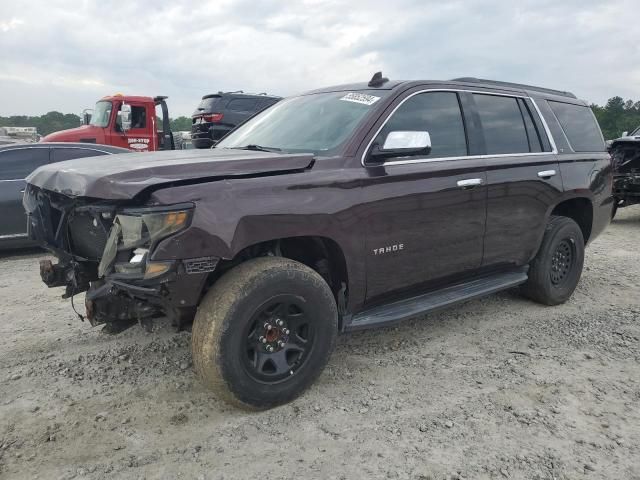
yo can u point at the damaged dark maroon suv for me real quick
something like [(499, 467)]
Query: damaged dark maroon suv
[(341, 209)]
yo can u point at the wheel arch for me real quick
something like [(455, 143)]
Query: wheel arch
[(580, 210), (322, 254)]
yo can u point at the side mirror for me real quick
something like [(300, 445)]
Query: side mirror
[(125, 117), (403, 144), (625, 134), (86, 116)]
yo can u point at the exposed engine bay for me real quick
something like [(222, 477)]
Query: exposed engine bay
[(104, 249)]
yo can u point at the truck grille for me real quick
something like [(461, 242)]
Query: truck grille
[(88, 234)]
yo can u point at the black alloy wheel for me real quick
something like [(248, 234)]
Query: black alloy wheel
[(279, 339)]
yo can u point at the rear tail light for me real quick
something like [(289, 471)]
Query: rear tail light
[(213, 117)]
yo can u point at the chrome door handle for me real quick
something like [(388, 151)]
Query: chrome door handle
[(22, 191), (546, 173), (469, 182)]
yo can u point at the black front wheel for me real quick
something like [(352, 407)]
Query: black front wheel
[(555, 271), (264, 332)]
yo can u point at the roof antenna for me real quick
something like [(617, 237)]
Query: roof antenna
[(377, 80)]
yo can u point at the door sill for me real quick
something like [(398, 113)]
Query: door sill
[(428, 302)]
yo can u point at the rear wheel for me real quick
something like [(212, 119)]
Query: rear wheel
[(264, 332), (555, 271)]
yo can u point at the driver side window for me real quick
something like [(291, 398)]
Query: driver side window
[(437, 113), (138, 118)]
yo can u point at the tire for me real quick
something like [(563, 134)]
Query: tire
[(555, 271), (202, 142), (614, 209), (231, 324), (177, 141)]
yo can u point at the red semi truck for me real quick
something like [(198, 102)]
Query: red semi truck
[(134, 122)]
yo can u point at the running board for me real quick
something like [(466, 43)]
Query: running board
[(428, 302)]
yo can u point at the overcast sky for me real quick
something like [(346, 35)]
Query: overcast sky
[(64, 55)]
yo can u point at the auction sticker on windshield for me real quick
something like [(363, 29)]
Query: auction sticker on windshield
[(362, 98)]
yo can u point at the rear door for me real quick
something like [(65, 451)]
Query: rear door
[(15, 166), (523, 177)]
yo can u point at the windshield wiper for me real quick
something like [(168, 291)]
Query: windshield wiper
[(257, 148)]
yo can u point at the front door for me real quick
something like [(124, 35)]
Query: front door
[(139, 138), (426, 217)]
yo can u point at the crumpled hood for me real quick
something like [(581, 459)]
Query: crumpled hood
[(123, 176)]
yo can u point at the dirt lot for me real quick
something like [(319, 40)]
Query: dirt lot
[(495, 388)]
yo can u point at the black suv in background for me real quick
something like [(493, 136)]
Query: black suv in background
[(218, 113)]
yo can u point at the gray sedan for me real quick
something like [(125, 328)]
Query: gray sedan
[(17, 161)]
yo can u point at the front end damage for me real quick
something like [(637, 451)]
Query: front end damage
[(106, 250), (626, 163)]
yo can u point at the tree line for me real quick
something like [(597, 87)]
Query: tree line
[(55, 121), (616, 116)]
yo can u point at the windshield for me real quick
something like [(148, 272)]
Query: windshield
[(101, 114), (317, 123), (636, 131)]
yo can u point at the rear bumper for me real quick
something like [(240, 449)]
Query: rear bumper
[(202, 142), (204, 135)]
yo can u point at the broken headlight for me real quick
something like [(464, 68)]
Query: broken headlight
[(137, 231)]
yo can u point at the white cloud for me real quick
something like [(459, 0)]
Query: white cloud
[(72, 53), (6, 25)]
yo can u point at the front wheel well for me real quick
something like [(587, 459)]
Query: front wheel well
[(579, 210), (321, 254)]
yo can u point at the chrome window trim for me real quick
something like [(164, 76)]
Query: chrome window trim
[(53, 147), (554, 149), (14, 235), (13, 180)]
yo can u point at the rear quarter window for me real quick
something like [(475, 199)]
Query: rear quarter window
[(579, 125), (242, 104)]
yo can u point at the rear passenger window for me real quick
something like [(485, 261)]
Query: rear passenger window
[(437, 113), (62, 154), (579, 126), (18, 164), (242, 104), (502, 124)]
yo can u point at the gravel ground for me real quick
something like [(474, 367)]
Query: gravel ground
[(495, 388)]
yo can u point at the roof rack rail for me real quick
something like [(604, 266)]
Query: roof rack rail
[(515, 85)]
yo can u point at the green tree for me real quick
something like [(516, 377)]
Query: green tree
[(46, 124), (181, 124), (617, 116)]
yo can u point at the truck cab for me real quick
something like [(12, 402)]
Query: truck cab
[(145, 126)]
